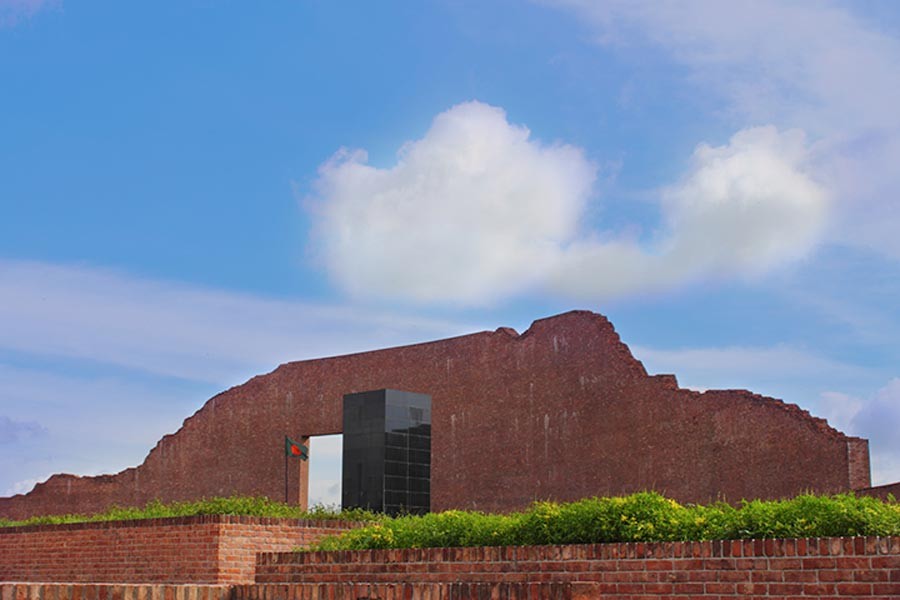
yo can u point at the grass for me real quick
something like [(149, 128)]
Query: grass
[(644, 516), (234, 505)]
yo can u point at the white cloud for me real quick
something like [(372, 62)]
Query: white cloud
[(476, 211), (743, 209), (182, 330), (810, 63), (807, 64), (750, 200), (876, 418), (473, 211)]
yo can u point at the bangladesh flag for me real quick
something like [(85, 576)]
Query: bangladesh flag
[(292, 448)]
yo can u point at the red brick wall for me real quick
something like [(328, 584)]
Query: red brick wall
[(432, 591), (240, 541), (59, 591), (214, 549), (883, 491), (456, 590), (835, 567), (563, 411)]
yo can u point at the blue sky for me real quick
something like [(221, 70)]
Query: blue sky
[(194, 192)]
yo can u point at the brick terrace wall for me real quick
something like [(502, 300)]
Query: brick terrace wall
[(204, 549), (435, 591), (62, 591), (240, 539), (564, 411), (419, 591), (836, 567)]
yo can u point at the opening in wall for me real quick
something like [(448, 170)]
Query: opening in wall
[(325, 470)]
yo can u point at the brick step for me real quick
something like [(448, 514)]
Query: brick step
[(837, 567), (112, 591), (419, 591)]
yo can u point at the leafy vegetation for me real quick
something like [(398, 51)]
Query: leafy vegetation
[(235, 505), (645, 516)]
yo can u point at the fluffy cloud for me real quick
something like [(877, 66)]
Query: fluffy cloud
[(750, 200), (476, 211), (743, 209), (472, 211), (807, 64)]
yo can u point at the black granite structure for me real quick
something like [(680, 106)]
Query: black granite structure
[(387, 452)]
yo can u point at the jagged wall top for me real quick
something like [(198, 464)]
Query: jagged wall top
[(562, 410)]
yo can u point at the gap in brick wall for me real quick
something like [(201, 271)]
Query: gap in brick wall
[(325, 454)]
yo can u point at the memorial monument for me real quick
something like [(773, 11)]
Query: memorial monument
[(561, 411)]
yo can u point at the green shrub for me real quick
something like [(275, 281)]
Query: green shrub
[(645, 516), (818, 516), (235, 505)]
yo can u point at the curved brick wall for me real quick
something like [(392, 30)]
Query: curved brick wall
[(561, 411)]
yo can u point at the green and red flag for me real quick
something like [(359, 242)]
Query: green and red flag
[(292, 448)]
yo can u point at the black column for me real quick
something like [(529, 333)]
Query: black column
[(387, 452)]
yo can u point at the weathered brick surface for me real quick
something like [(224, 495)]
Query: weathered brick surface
[(420, 590), (561, 411), (883, 491), (212, 549), (830, 567), (862, 567), (76, 591), (399, 591)]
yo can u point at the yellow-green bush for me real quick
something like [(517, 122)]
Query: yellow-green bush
[(645, 516), (235, 505)]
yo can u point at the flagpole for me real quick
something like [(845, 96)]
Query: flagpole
[(285, 476)]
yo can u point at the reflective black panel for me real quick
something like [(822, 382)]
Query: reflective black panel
[(387, 451)]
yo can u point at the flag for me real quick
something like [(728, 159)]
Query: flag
[(292, 448)]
